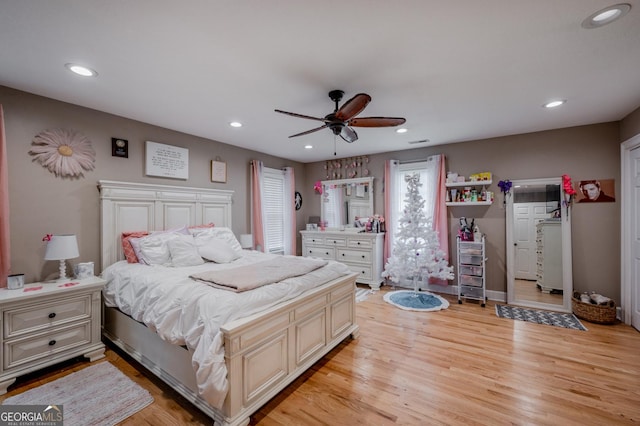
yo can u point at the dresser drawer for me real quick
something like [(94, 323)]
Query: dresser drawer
[(335, 242), (42, 316), (364, 271), (322, 252), (31, 348), (313, 241), (354, 256), (356, 243)]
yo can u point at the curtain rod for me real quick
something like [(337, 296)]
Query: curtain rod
[(416, 161)]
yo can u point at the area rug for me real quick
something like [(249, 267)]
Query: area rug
[(416, 301), (362, 294), (97, 395), (557, 319)]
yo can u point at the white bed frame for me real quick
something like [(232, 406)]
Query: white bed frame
[(265, 352)]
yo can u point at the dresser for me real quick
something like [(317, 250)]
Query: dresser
[(46, 323), (549, 255), (361, 252)]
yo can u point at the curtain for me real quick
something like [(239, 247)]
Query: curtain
[(5, 252), (390, 177), (440, 215), (289, 212), (257, 219)]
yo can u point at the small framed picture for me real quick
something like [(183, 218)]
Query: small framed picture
[(119, 148), (218, 171)]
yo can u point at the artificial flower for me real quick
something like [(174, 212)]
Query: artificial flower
[(318, 187)]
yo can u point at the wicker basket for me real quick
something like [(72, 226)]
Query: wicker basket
[(601, 314)]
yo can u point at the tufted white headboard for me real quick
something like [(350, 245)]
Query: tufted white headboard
[(127, 206)]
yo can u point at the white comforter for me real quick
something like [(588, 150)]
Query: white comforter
[(187, 312)]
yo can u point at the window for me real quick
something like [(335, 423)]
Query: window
[(273, 206), (428, 171)]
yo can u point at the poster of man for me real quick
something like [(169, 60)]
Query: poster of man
[(596, 191)]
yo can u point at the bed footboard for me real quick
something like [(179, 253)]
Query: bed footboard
[(264, 353)]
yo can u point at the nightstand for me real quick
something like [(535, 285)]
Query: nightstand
[(49, 322)]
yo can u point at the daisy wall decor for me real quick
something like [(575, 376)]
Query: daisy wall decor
[(64, 152)]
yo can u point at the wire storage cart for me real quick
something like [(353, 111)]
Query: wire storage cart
[(472, 272)]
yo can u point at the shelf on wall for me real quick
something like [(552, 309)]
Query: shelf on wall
[(469, 203), (468, 183)]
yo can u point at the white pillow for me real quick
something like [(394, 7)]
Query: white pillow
[(154, 249), (220, 233), (216, 250), (135, 242), (183, 251)]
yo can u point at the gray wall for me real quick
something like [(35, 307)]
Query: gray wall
[(581, 152), (41, 203)]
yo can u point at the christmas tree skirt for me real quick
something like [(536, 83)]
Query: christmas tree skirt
[(416, 301)]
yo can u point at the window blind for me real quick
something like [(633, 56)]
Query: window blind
[(273, 206)]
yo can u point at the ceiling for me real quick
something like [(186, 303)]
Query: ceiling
[(456, 70)]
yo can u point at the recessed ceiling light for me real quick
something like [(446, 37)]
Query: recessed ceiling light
[(235, 124), (402, 130), (81, 70), (606, 16), (554, 104), (308, 146)]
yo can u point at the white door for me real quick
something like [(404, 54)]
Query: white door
[(635, 238), (525, 218)]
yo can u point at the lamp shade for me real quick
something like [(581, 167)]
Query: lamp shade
[(62, 247), (246, 241)]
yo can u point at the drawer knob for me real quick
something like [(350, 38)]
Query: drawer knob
[(52, 342), (358, 242), (363, 256), (343, 254), (334, 242), (52, 315), (327, 253)]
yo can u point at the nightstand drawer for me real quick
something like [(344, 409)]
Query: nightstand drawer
[(354, 256), (31, 348), (42, 316)]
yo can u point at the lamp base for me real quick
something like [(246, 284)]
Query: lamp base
[(63, 270)]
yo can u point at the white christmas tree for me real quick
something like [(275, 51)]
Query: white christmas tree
[(416, 252)]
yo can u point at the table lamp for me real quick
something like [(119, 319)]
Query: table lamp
[(246, 241), (62, 247)]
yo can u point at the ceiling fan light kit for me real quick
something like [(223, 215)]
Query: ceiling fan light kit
[(342, 119)]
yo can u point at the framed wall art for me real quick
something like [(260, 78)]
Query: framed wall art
[(166, 161), (218, 171)]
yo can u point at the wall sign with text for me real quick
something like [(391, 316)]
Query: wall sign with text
[(166, 161)]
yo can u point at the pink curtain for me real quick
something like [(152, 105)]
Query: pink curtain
[(387, 209), (256, 214), (5, 240), (440, 224), (290, 247)]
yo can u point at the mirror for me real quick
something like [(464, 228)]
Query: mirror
[(343, 200), (538, 249)]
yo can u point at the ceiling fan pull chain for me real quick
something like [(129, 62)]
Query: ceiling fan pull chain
[(334, 144)]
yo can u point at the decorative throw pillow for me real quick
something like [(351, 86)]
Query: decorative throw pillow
[(154, 249), (127, 249), (221, 233), (216, 250), (184, 252)]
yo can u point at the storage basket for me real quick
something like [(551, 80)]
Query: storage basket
[(601, 314)]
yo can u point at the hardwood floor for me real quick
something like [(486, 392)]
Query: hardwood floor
[(463, 365)]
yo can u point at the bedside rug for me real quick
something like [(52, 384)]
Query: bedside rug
[(96, 395), (411, 301), (558, 319)]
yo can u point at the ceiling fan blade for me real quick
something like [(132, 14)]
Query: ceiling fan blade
[(348, 134), (293, 114), (310, 131), (376, 122), (353, 107)]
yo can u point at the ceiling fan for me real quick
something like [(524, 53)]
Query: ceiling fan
[(342, 119)]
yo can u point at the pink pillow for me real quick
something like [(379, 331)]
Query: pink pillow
[(127, 249), (208, 225)]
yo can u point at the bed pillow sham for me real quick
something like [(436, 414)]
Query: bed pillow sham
[(221, 233), (216, 250), (183, 251), (127, 248)]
